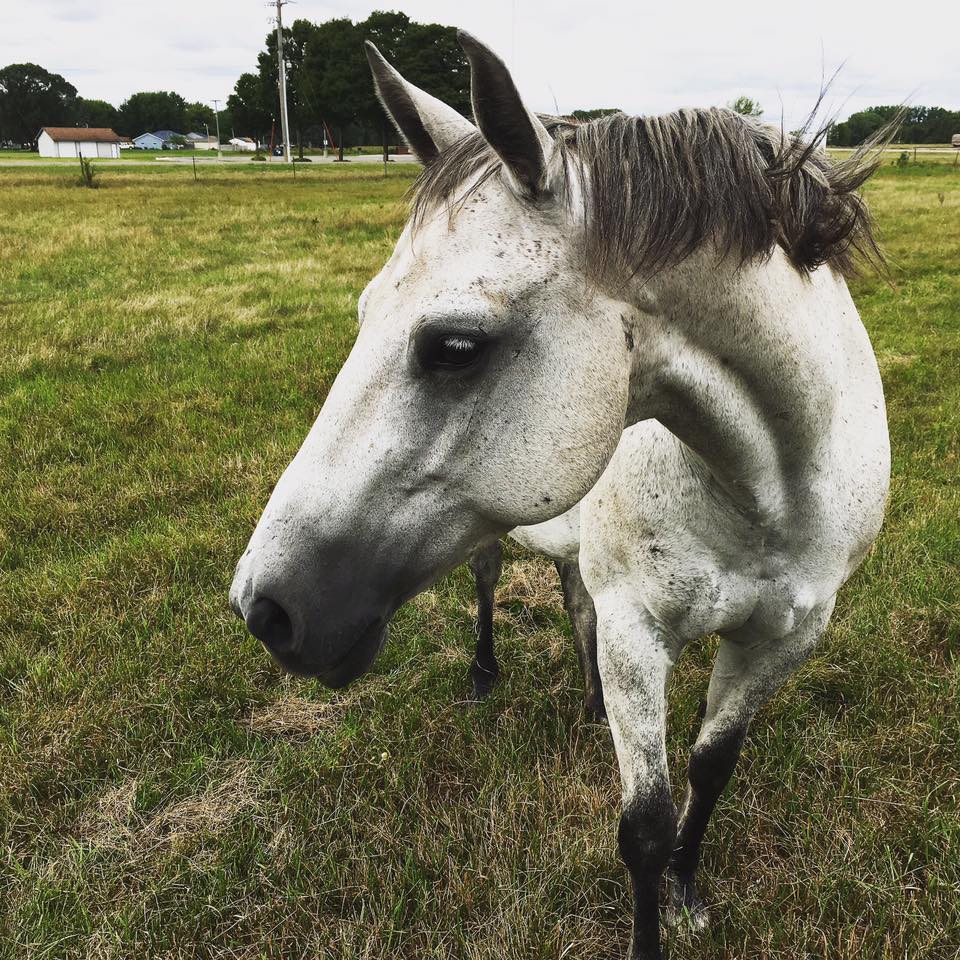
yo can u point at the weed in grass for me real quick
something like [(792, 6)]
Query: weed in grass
[(88, 176)]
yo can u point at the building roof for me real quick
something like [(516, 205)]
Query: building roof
[(86, 134), (166, 134), (199, 137)]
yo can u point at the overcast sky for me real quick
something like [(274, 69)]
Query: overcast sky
[(643, 58)]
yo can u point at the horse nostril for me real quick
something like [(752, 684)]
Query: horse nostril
[(271, 625)]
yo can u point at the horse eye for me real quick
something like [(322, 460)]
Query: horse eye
[(452, 351)]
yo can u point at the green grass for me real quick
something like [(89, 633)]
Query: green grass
[(927, 155), (165, 792), (124, 155)]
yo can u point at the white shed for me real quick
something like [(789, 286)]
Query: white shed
[(200, 141), (78, 142)]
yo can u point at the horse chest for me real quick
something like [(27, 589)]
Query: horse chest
[(697, 563), (694, 589)]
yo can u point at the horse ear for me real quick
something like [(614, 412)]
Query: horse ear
[(518, 137), (426, 123)]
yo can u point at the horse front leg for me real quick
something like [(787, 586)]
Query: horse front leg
[(583, 621), (745, 675), (486, 564), (635, 660)]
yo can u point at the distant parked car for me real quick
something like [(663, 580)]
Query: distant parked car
[(955, 141), (278, 150)]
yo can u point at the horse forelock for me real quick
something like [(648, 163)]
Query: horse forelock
[(660, 187)]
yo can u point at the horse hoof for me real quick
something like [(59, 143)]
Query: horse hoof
[(595, 712), (685, 909), (483, 682), (695, 921)]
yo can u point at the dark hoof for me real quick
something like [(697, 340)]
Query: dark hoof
[(685, 907), (483, 681), (650, 953), (595, 711)]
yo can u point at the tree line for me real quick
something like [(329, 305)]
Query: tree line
[(920, 125), (328, 81), (32, 97), (329, 92)]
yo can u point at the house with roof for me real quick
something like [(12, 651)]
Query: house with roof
[(158, 140), (78, 142), (147, 141), (200, 141)]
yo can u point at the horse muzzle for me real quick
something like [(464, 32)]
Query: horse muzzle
[(329, 635)]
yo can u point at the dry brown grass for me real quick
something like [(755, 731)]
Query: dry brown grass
[(295, 716), (113, 823)]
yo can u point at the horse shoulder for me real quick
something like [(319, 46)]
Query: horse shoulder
[(654, 529)]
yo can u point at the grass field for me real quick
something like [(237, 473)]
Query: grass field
[(165, 792), (124, 155)]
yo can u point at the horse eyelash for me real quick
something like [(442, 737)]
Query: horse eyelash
[(459, 343)]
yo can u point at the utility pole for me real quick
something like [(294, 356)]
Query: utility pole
[(282, 67), (216, 113)]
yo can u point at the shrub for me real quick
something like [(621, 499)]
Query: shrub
[(87, 174)]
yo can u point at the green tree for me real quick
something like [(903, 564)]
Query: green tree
[(941, 125), (250, 108), (585, 115), (427, 54), (95, 113), (387, 30), (300, 94), (856, 128), (746, 107), (328, 80), (198, 118), (31, 98), (336, 73), (254, 104), (158, 110), (431, 57), (918, 124)]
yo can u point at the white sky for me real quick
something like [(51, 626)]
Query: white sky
[(643, 58)]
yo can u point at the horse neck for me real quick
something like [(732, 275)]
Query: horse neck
[(735, 363)]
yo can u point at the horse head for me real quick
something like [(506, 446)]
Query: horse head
[(486, 389)]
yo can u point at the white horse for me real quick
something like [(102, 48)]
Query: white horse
[(556, 284)]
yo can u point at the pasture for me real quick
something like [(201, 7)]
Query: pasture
[(166, 792)]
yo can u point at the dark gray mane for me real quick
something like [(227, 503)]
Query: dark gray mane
[(660, 187)]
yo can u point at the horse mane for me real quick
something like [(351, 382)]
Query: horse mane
[(659, 187)]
